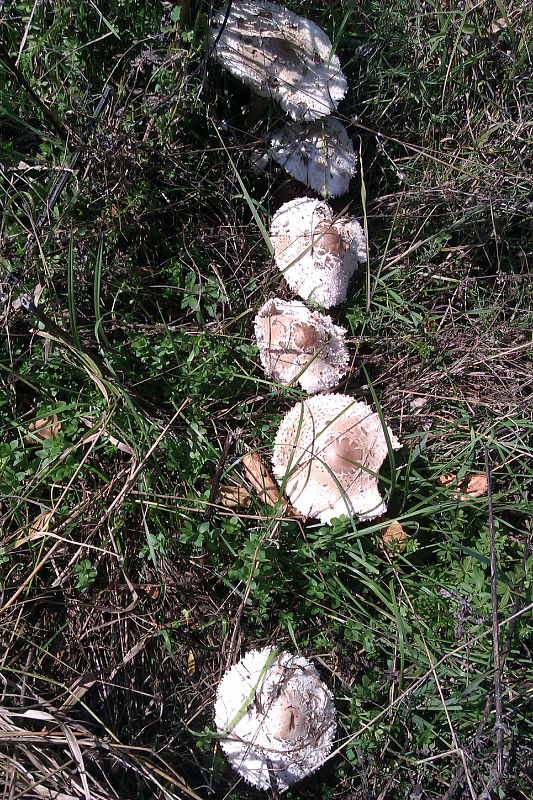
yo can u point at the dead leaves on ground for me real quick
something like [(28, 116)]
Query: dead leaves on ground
[(473, 485), (233, 497), (393, 536), (259, 479), (41, 429)]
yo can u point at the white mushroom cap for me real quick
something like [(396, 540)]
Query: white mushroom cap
[(273, 707), (329, 449), (319, 154), (294, 341), (280, 55), (317, 253)]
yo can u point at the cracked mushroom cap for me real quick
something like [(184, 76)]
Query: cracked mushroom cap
[(280, 55), (273, 707), (319, 154), (329, 449), (316, 252), (298, 344)]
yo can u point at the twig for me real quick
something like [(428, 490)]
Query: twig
[(215, 483), (498, 706)]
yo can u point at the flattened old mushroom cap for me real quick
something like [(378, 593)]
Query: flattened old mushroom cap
[(317, 253), (280, 55), (273, 707), (296, 343), (329, 449), (319, 154)]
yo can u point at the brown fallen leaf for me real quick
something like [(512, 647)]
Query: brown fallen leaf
[(447, 479), (41, 523), (263, 483), (233, 497), (41, 429), (191, 663), (393, 536), (260, 478), (473, 485), (151, 589), (476, 485)]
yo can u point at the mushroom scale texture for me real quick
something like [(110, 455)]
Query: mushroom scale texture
[(298, 344), (280, 55), (275, 718), (328, 450), (316, 252), (319, 154)]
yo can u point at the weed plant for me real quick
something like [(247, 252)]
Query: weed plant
[(128, 585)]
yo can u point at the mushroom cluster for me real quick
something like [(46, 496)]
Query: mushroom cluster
[(327, 453), (275, 717), (316, 251), (296, 344)]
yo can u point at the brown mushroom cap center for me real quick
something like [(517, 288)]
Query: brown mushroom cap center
[(343, 454), (307, 338), (293, 717), (329, 240), (279, 331)]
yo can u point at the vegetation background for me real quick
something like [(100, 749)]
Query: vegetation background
[(128, 367)]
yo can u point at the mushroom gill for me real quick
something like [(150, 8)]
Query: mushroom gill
[(280, 55)]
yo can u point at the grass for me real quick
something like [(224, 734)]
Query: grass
[(124, 593)]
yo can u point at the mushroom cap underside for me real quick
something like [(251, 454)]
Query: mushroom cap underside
[(280, 55)]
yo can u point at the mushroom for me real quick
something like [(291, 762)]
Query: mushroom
[(296, 344), (316, 252), (280, 55), (327, 453), (275, 717), (319, 154)]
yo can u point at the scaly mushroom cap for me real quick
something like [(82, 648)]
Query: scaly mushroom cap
[(329, 449), (273, 707), (280, 55), (317, 253), (293, 340), (319, 154)]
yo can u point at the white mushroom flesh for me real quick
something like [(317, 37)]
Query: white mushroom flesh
[(329, 449), (280, 55), (316, 252), (298, 344), (319, 154), (276, 718)]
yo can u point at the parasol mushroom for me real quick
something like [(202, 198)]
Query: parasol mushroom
[(280, 55), (319, 154), (327, 453), (275, 717), (296, 344), (316, 252)]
